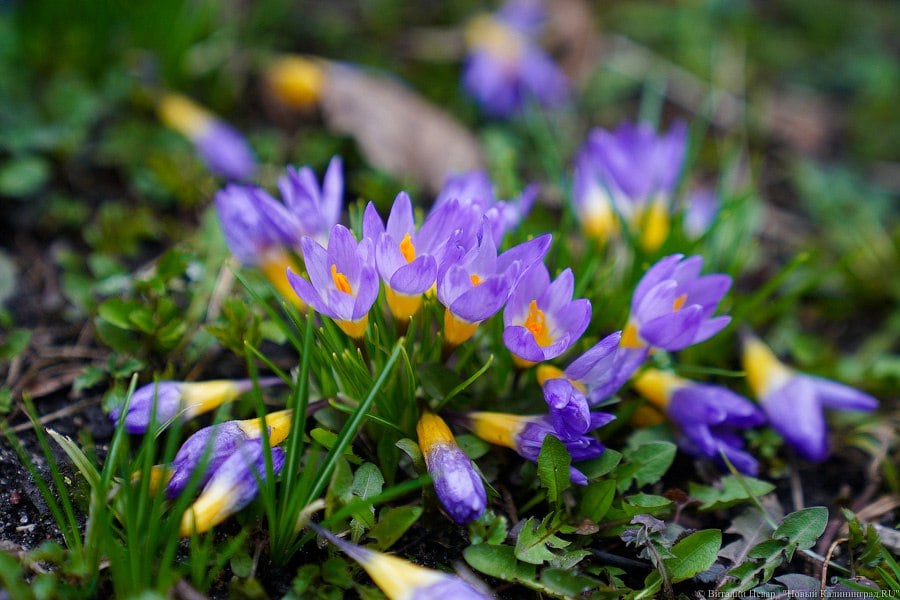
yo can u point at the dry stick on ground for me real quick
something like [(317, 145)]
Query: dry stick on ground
[(59, 414)]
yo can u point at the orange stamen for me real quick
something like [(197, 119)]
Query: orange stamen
[(407, 249), (476, 280), (679, 302), (536, 323), (340, 281), (630, 337)]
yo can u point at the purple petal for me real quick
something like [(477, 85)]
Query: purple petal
[(373, 227), (482, 301), (366, 293), (520, 342), (796, 413), (332, 192), (342, 252), (315, 257), (457, 485), (673, 331), (310, 295), (400, 221), (416, 277), (838, 396)]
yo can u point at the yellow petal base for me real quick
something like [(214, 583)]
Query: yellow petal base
[(296, 81), (183, 115), (274, 266), (355, 329), (432, 430), (764, 371), (202, 397), (457, 331), (402, 306), (500, 429)]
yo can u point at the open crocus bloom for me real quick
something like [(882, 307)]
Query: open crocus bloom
[(541, 319), (673, 304), (343, 283), (794, 402), (407, 259), (478, 285)]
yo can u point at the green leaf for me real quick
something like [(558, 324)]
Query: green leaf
[(412, 450), (328, 439), (553, 468), (118, 312), (499, 562), (597, 499), (693, 554), (367, 481), (645, 464), (729, 491), (600, 466), (473, 446), (392, 524), (24, 176), (15, 343), (567, 584), (537, 541), (802, 528)]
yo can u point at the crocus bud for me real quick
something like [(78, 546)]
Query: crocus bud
[(458, 486)]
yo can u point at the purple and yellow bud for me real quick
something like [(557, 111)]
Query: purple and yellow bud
[(213, 445), (400, 579), (180, 399), (456, 483), (296, 81), (794, 402), (220, 146), (232, 487), (708, 417)]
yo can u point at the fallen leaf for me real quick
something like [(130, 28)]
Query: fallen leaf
[(396, 129)]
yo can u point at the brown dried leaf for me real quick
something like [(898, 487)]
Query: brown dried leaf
[(396, 129), (574, 37)]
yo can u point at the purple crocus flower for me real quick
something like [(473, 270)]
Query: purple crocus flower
[(316, 208), (506, 66), (407, 260), (475, 189), (457, 485), (795, 403), (219, 145), (525, 434), (629, 173), (232, 487), (672, 305), (708, 417), (400, 579), (343, 283), (478, 285), (216, 443), (180, 399), (541, 320)]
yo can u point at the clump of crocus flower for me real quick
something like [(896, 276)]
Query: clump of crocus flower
[(794, 402), (213, 445), (233, 485), (541, 321), (506, 66), (475, 189), (224, 151), (525, 434), (180, 399), (456, 483), (343, 283), (629, 174), (708, 417), (476, 287), (400, 579)]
